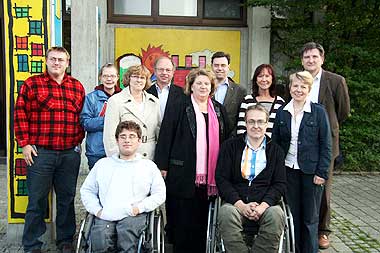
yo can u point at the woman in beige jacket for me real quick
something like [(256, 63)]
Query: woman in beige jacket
[(133, 103)]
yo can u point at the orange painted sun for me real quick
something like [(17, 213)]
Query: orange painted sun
[(151, 54)]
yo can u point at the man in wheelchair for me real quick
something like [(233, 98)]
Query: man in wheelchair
[(119, 191), (251, 180)]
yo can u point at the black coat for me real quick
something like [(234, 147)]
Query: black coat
[(175, 95), (269, 186), (176, 146)]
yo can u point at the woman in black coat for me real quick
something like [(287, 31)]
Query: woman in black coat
[(186, 153)]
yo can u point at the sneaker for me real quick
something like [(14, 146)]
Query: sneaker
[(324, 241)]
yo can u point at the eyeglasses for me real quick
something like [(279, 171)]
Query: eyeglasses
[(54, 60), (138, 77), (259, 123), (109, 76), (125, 137), (162, 70)]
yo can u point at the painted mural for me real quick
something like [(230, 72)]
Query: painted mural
[(187, 48), (27, 26)]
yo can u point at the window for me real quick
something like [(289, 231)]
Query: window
[(36, 67), (22, 190), (22, 63), (20, 168), (21, 42), (19, 84), (35, 27), (174, 12), (22, 12), (37, 49)]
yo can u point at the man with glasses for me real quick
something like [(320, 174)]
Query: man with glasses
[(163, 88), (251, 180), (227, 92), (120, 190), (47, 127)]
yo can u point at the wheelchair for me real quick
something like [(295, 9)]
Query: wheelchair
[(150, 240), (214, 241)]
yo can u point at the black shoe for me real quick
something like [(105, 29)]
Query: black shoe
[(34, 251), (67, 248)]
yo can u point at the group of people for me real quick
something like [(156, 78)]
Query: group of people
[(152, 143)]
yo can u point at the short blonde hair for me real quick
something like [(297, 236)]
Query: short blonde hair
[(303, 76), (190, 79), (137, 70), (58, 49)]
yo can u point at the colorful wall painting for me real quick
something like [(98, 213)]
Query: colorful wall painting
[(187, 48), (26, 28)]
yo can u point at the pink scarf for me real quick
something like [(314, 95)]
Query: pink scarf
[(206, 169)]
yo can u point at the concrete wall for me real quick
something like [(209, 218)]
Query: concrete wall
[(259, 20)]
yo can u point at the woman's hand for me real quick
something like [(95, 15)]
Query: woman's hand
[(318, 180)]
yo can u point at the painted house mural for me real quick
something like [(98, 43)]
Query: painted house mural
[(187, 48), (27, 37)]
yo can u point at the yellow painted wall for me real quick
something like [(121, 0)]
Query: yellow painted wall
[(19, 26), (180, 42)]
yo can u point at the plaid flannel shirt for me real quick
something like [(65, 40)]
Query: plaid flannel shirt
[(47, 113)]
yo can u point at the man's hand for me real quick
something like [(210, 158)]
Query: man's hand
[(28, 151), (164, 173), (318, 180), (244, 209), (258, 210), (99, 213), (135, 211)]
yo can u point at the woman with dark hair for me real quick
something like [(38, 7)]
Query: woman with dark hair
[(263, 92), (186, 153)]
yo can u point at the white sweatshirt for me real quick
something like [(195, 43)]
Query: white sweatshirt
[(116, 185)]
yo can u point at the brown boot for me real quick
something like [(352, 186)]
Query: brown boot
[(324, 241)]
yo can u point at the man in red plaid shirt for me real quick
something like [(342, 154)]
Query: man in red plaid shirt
[(48, 130)]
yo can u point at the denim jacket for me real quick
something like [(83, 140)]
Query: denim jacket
[(314, 139), (93, 123)]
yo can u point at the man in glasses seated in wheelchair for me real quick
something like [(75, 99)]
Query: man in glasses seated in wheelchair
[(251, 180), (120, 191)]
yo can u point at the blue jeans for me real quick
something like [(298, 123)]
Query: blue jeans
[(117, 236), (60, 170), (304, 199), (92, 160)]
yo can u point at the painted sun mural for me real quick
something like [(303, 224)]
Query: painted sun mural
[(187, 48)]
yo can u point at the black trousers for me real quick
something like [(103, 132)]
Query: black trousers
[(188, 221), (304, 199)]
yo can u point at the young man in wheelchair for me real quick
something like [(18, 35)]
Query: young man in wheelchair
[(119, 191), (251, 180)]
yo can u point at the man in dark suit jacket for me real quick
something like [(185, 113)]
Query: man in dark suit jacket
[(228, 93), (163, 88), (330, 90)]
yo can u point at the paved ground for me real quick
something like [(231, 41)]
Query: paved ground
[(356, 217)]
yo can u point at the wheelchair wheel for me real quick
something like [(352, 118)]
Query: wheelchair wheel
[(83, 243), (214, 242), (157, 228), (287, 242)]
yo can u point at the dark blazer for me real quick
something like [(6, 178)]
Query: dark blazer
[(314, 139), (268, 186), (175, 95), (234, 96), (333, 94), (176, 146)]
